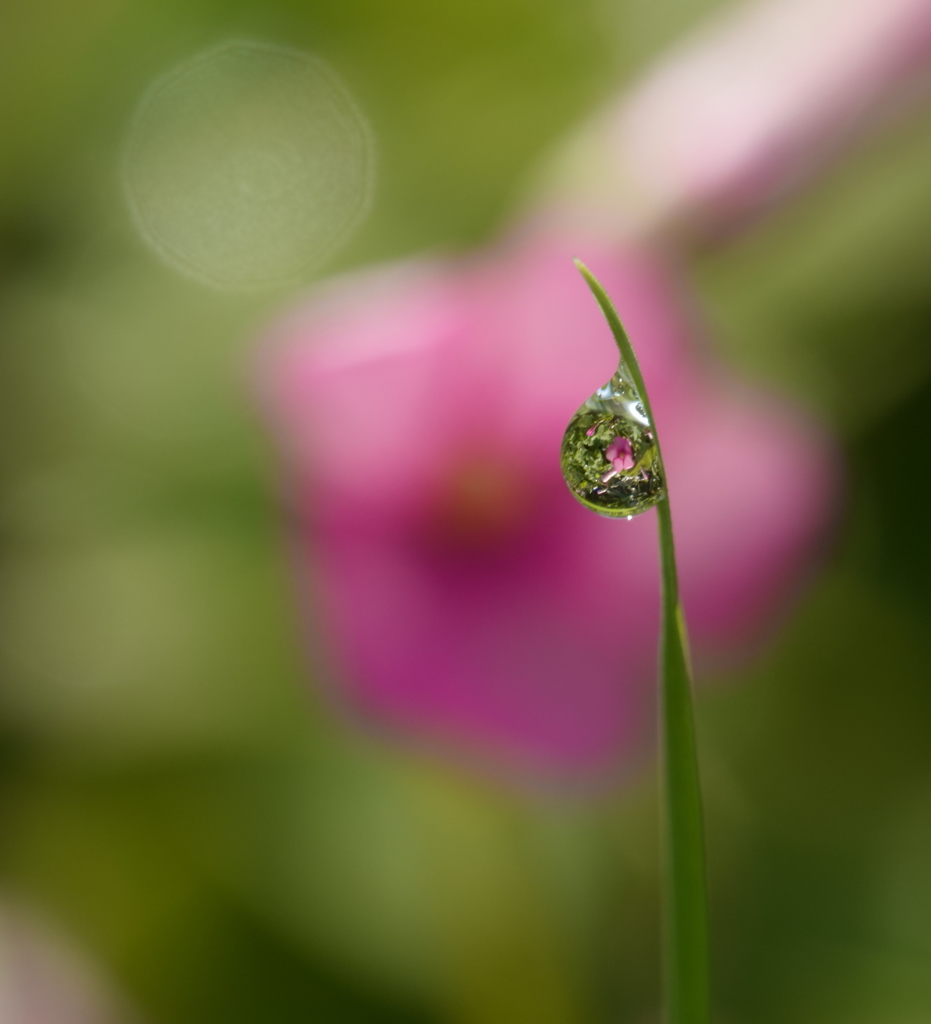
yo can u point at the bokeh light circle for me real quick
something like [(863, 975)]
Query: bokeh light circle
[(248, 165)]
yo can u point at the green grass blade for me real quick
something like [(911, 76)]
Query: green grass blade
[(685, 898)]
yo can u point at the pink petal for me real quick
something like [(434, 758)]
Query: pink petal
[(745, 110)]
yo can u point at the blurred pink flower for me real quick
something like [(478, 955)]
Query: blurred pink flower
[(743, 111), (464, 598)]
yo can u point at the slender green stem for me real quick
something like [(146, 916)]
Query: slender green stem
[(685, 898)]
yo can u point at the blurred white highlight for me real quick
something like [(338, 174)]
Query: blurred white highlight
[(45, 980), (247, 166)]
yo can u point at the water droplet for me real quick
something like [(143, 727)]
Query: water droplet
[(247, 166), (609, 456)]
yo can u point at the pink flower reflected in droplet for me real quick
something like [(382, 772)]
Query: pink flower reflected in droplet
[(620, 455)]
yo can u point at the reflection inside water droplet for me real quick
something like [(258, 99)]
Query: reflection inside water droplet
[(610, 458)]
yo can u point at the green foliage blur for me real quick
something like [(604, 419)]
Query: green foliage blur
[(171, 789)]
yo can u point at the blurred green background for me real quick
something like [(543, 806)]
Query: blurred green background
[(172, 791)]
